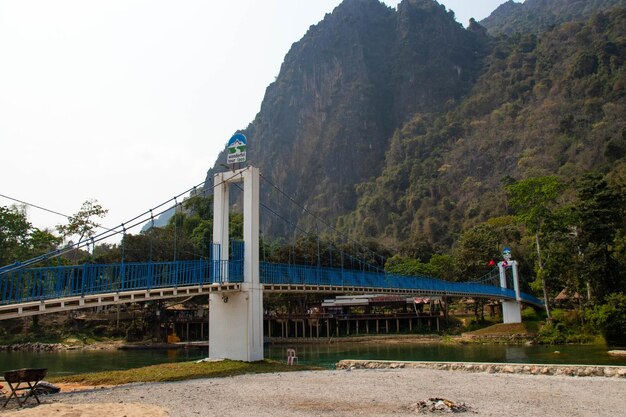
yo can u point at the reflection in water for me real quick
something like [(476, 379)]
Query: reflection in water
[(172, 354), (325, 355), (516, 354), (76, 361)]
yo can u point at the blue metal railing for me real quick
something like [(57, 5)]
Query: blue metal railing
[(66, 281), (44, 283), (272, 273)]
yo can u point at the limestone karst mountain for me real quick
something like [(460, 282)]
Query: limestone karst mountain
[(397, 124)]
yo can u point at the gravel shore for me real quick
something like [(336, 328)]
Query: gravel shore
[(375, 392)]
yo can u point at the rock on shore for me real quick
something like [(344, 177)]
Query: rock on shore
[(34, 347)]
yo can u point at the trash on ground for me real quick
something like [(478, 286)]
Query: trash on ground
[(439, 405)]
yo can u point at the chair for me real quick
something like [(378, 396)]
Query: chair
[(291, 357), (15, 380)]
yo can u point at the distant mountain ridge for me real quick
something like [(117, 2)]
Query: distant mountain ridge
[(533, 16)]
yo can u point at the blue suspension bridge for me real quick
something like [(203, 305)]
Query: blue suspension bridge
[(51, 289), (26, 290)]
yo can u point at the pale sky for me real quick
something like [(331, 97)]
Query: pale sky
[(130, 101)]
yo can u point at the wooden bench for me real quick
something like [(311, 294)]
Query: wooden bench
[(16, 380)]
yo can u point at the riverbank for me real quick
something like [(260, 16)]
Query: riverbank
[(364, 392), (387, 338), (68, 345), (103, 345), (122, 345), (508, 334)]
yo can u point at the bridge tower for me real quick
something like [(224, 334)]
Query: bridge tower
[(511, 310), (236, 318)]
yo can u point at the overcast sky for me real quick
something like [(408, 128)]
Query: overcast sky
[(129, 102)]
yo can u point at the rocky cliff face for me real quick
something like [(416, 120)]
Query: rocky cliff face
[(357, 76)]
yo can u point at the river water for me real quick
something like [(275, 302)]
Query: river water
[(324, 355)]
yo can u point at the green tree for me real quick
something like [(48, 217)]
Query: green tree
[(81, 224), (610, 318), (481, 243), (19, 240), (14, 233), (534, 200), (559, 246), (200, 205), (600, 210), (41, 241), (403, 265), (438, 266)]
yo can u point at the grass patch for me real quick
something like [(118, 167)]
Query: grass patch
[(180, 371), (502, 329)]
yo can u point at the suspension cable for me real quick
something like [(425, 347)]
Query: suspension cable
[(305, 232), (318, 218), (138, 220)]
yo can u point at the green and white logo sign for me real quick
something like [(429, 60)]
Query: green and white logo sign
[(236, 149)]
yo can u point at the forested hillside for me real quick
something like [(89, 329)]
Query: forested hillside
[(534, 16), (547, 104)]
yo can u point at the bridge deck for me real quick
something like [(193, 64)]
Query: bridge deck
[(51, 289)]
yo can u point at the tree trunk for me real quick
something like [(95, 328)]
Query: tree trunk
[(543, 278)]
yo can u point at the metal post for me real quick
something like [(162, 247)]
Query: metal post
[(516, 287)]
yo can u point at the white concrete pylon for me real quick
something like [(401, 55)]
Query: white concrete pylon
[(236, 318), (511, 309)]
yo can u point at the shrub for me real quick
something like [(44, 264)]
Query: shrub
[(530, 314), (610, 318), (566, 326)]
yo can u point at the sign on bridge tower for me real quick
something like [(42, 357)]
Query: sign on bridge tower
[(236, 149), (236, 318)]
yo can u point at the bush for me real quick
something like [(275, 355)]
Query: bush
[(610, 318), (474, 324), (135, 332), (530, 314), (552, 333), (454, 326), (566, 326)]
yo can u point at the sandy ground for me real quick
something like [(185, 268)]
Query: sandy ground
[(345, 393), (92, 410)]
